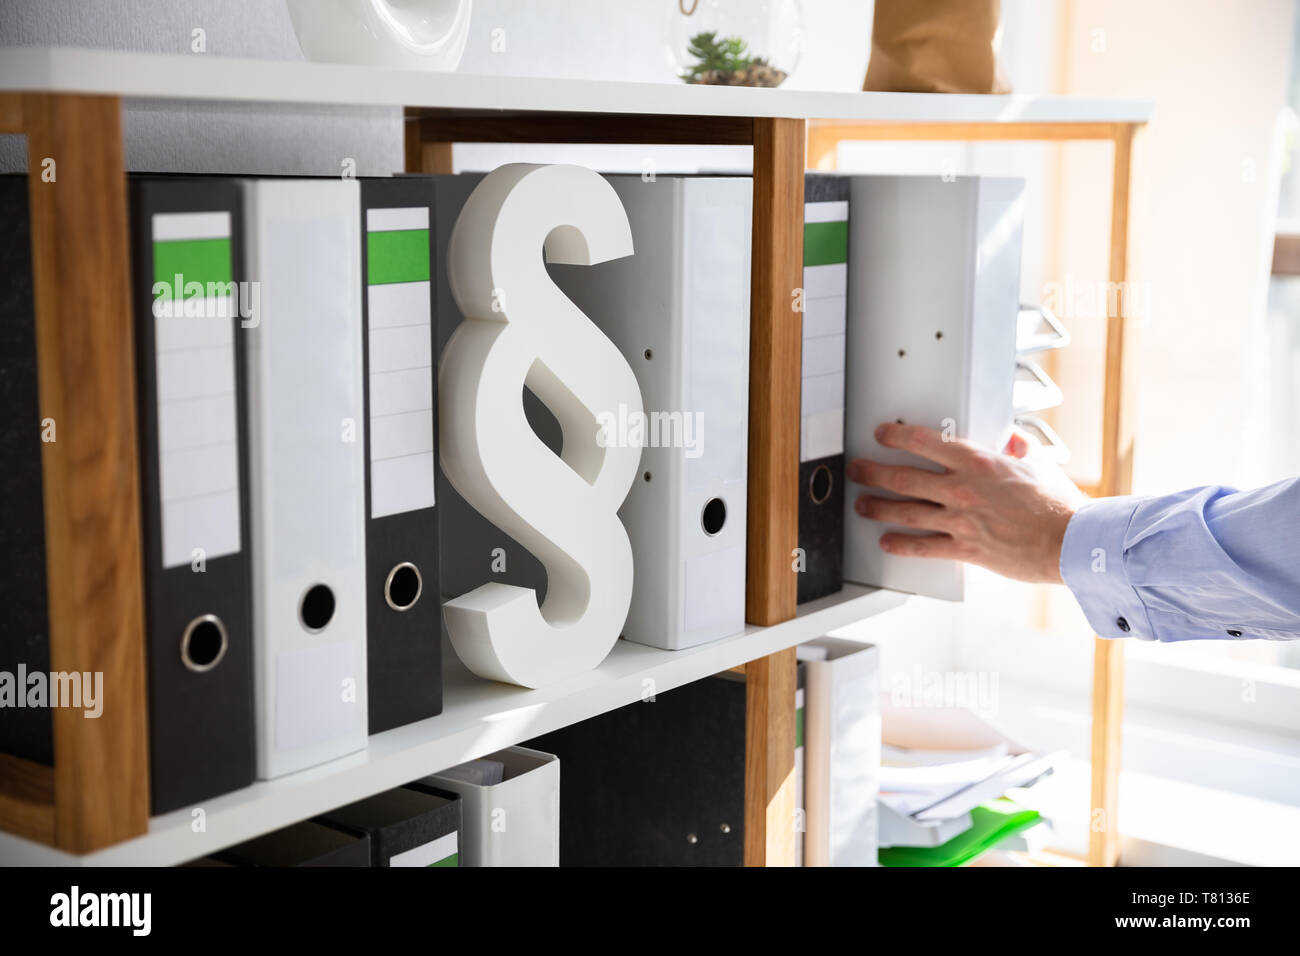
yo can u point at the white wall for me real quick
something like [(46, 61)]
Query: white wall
[(1202, 204), (165, 137)]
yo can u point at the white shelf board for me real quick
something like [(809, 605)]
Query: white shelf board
[(478, 718), (205, 77)]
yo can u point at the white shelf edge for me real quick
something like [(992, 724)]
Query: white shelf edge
[(230, 79), (479, 717)]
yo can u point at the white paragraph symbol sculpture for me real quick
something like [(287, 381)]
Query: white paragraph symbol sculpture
[(519, 329)]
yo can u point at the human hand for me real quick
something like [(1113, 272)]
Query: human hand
[(1005, 512)]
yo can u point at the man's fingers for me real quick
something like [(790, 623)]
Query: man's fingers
[(909, 514), (900, 479), (925, 442), (921, 546)]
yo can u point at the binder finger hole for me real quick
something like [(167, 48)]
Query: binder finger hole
[(820, 484), (403, 586), (317, 607), (204, 643), (714, 516)]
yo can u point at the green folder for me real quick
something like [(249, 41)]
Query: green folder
[(990, 825)]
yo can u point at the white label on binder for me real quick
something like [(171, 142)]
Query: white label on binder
[(397, 218), (821, 428), (198, 449), (429, 854), (823, 393), (311, 705), (182, 226), (835, 210), (392, 393), (717, 320), (821, 434), (825, 315), (823, 355), (714, 588), (400, 359), (819, 282)]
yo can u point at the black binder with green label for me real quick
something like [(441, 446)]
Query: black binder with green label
[(190, 305), (403, 606)]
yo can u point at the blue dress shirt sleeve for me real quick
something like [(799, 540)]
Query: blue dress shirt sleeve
[(1207, 563)]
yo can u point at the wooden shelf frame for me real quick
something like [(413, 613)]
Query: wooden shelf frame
[(824, 138), (97, 793)]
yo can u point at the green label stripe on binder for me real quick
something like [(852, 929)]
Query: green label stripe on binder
[(398, 255), (453, 860), (798, 727), (825, 243), (195, 260)]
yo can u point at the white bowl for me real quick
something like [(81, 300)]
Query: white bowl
[(403, 34)]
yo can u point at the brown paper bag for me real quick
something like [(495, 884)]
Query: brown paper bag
[(935, 46)]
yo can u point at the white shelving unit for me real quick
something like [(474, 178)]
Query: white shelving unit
[(478, 717), (204, 77)]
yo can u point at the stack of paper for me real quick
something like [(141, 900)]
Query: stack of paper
[(943, 772), (991, 825)]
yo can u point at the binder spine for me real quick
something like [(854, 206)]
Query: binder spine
[(655, 784), (403, 648), (528, 799), (821, 420), (26, 732), (995, 310), (933, 311), (843, 754), (194, 461), (678, 310), (715, 262), (307, 442), (415, 825)]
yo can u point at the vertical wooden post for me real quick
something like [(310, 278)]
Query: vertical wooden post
[(1116, 479), (769, 760), (775, 346), (425, 156), (86, 372)]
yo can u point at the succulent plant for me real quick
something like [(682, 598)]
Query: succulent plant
[(730, 54)]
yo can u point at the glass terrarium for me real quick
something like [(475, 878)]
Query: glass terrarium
[(735, 42)]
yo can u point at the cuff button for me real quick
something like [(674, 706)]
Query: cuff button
[(1122, 624)]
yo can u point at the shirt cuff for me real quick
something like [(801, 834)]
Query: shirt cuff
[(1092, 566)]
